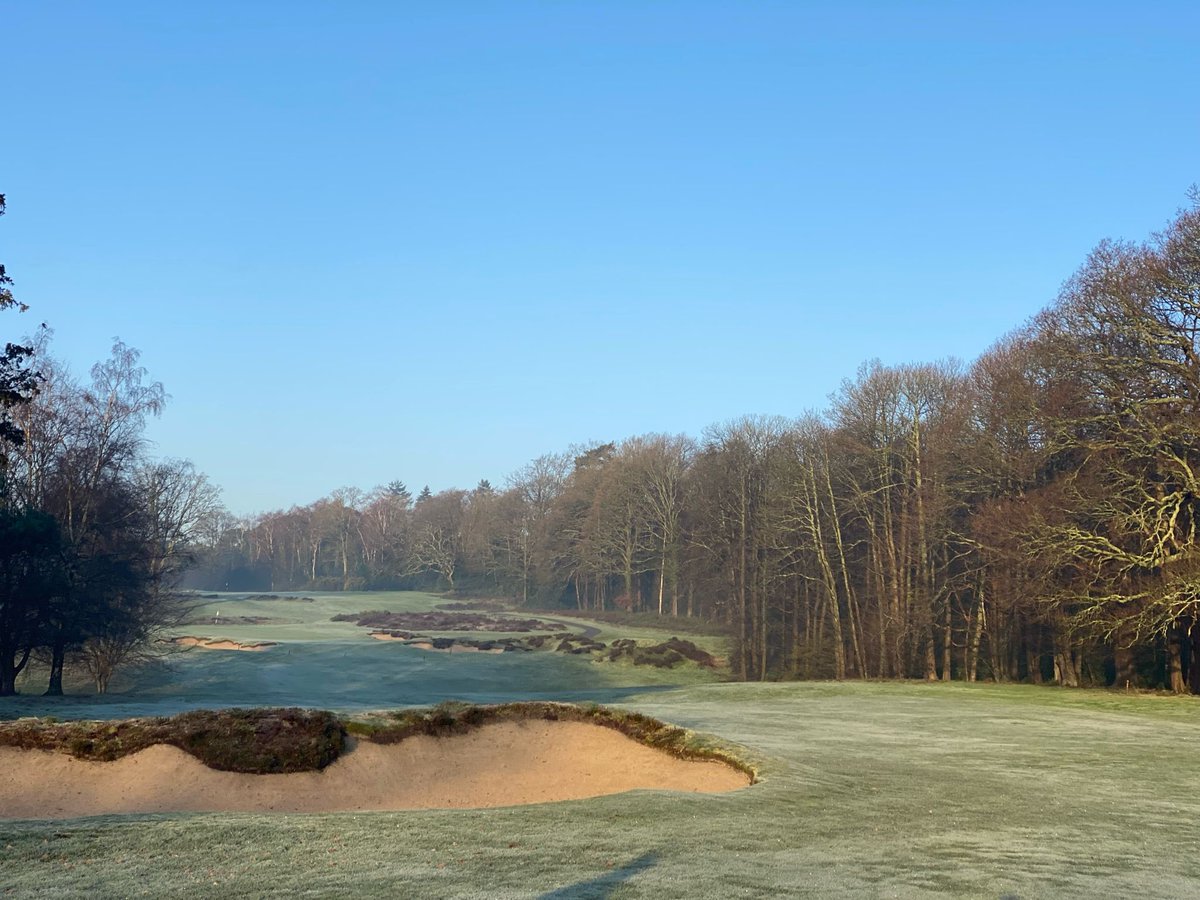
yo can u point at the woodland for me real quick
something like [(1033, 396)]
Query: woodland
[(1028, 517)]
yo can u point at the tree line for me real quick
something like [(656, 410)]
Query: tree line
[(1029, 517), (93, 532)]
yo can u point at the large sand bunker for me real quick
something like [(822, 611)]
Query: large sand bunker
[(499, 764)]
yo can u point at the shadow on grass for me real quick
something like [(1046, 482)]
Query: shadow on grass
[(603, 885)]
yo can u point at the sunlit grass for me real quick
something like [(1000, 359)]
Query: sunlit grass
[(906, 790), (869, 789), (337, 665)]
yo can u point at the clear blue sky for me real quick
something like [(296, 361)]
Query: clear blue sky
[(366, 241)]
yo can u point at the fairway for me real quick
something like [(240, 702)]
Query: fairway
[(317, 662), (868, 789)]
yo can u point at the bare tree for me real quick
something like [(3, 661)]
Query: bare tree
[(437, 536)]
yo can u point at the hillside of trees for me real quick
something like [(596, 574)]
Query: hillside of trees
[(1030, 517)]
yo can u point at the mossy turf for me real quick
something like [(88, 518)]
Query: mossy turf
[(272, 741)]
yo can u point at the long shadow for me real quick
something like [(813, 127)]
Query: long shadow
[(603, 885)]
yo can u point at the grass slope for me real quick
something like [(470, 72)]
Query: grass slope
[(897, 790)]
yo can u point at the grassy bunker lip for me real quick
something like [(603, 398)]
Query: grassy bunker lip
[(452, 718), (255, 741), (279, 741)]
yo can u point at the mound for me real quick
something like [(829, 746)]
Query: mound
[(503, 763), (663, 656)]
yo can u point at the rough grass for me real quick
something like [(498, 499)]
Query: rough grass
[(269, 741), (665, 655)]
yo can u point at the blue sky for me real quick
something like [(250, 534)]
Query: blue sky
[(368, 241)]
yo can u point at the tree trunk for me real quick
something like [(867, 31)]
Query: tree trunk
[(1125, 674), (10, 669), (827, 577), (762, 626), (57, 657), (947, 638), (741, 596), (796, 606), (1194, 658), (1033, 665), (1175, 663), (628, 575), (876, 578), (662, 579), (924, 582), (835, 524), (974, 631), (1066, 666)]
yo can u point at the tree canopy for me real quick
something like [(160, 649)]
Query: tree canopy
[(1030, 516)]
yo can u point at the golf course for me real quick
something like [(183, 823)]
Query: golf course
[(600, 451), (896, 789)]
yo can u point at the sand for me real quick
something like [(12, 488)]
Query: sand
[(453, 648), (502, 764), (223, 644), (426, 645)]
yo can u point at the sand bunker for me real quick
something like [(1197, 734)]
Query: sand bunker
[(455, 647), (222, 644), (388, 636), (502, 764), (438, 645)]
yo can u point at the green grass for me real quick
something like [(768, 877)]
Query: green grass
[(895, 790), (337, 665), (867, 789), (308, 617)]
